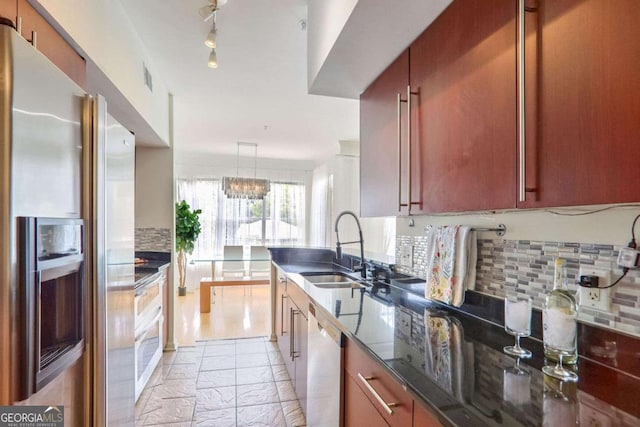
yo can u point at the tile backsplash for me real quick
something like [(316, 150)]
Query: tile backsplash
[(153, 240), (528, 266)]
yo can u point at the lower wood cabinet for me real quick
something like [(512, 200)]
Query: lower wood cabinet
[(291, 313), (372, 397), (383, 391), (422, 417), (358, 410)]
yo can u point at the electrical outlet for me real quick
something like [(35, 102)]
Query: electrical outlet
[(597, 298), (406, 256)]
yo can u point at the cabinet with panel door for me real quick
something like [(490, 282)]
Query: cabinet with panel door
[(463, 71), (383, 142), (438, 127), (370, 389), (291, 315), (516, 103), (9, 10), (581, 86), (35, 29)]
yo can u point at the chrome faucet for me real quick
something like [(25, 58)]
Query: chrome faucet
[(363, 270)]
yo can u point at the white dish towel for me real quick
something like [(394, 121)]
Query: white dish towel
[(452, 253)]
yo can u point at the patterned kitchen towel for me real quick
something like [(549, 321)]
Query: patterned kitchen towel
[(443, 358), (466, 260), (441, 259)]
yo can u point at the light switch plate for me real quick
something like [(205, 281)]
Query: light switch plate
[(406, 256), (404, 323)]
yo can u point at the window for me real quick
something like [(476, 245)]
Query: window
[(279, 219)]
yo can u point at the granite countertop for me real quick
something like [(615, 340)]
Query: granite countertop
[(154, 262), (454, 363)]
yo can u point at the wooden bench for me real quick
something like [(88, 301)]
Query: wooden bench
[(207, 282)]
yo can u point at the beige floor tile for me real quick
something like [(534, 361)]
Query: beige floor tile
[(286, 391), (250, 347), (293, 414), (176, 388), (186, 358), (256, 394), (183, 372), (252, 360), (172, 411), (275, 358), (214, 379), (212, 399), (218, 418), (257, 375), (217, 363), (269, 415), (220, 350), (280, 373)]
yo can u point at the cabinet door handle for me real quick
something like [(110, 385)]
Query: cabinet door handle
[(410, 201), (293, 351), (34, 39), (409, 195), (399, 140), (282, 331), (387, 406), (522, 163), (291, 340)]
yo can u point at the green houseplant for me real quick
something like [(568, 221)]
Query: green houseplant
[(187, 231)]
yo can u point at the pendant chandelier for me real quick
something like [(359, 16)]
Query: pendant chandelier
[(245, 188)]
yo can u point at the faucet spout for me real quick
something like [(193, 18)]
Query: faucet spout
[(363, 271)]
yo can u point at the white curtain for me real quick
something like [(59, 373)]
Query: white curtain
[(202, 194), (279, 219), (320, 215)]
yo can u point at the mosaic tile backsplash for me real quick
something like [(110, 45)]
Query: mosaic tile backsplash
[(528, 266), (153, 240)]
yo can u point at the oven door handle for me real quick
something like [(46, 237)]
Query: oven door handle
[(151, 281), (147, 328)]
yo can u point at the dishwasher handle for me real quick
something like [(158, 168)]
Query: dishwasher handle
[(325, 325)]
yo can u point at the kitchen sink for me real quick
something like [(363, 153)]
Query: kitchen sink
[(328, 278), (339, 285)]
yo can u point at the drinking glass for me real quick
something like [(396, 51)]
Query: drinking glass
[(517, 322), (558, 371)]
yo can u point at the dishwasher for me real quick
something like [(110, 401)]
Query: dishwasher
[(324, 391)]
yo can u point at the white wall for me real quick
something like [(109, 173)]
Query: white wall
[(343, 174), (608, 227), (104, 32), (326, 20), (154, 188)]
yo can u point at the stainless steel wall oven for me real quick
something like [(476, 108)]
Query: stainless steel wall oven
[(51, 299)]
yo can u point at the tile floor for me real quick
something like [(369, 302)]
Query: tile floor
[(219, 383)]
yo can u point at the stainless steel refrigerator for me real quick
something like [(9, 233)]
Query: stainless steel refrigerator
[(62, 156)]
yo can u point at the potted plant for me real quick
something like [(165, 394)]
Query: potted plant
[(187, 231)]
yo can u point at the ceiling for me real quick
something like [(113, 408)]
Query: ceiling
[(259, 92)]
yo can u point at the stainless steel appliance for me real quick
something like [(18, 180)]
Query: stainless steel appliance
[(324, 393), (41, 145), (62, 157), (50, 299), (148, 328), (114, 175)]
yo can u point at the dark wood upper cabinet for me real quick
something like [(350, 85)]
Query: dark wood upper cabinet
[(9, 10), (380, 142), (463, 68), (583, 106), (51, 44)]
